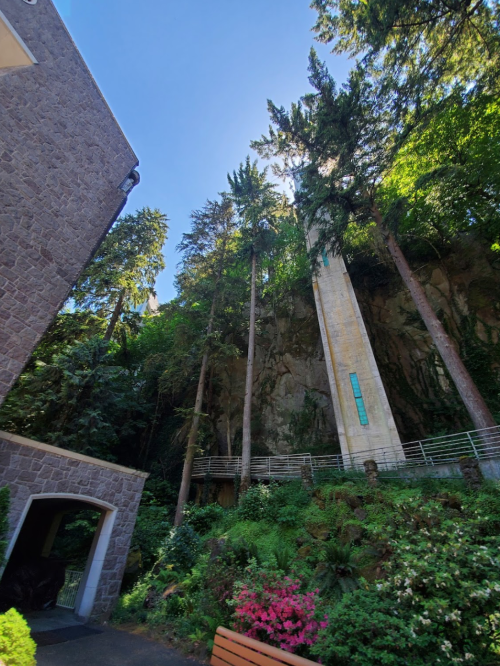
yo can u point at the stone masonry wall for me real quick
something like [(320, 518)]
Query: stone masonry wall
[(30, 468), (63, 158)]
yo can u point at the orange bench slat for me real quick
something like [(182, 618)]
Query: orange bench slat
[(249, 650)]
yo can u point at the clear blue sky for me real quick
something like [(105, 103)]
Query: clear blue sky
[(188, 83)]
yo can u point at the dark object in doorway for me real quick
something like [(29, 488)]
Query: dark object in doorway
[(33, 585)]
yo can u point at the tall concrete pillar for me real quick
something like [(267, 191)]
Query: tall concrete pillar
[(362, 411)]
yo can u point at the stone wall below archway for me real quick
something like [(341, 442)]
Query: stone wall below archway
[(35, 471)]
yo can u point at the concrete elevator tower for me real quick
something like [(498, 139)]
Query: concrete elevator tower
[(362, 411)]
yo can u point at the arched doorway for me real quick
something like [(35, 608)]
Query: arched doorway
[(35, 543)]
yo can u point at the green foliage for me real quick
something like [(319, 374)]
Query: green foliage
[(130, 605), (202, 518), (180, 548), (338, 570), (74, 537), (284, 557), (126, 263), (153, 522), (80, 400), (17, 648), (4, 519), (415, 49), (439, 600), (448, 175), (274, 503), (254, 505)]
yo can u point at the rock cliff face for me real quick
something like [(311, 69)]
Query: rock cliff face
[(292, 409), (464, 289)]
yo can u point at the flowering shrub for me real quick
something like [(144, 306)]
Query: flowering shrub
[(438, 604), (273, 611)]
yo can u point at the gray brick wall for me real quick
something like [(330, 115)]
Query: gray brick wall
[(29, 470), (62, 160)]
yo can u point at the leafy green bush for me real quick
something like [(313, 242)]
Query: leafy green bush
[(17, 648), (338, 570), (4, 516), (180, 548), (438, 605), (130, 606), (255, 503), (150, 528), (202, 518)]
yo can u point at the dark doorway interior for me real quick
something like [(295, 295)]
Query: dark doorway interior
[(52, 547)]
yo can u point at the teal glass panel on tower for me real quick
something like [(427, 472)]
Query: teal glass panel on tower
[(363, 416)]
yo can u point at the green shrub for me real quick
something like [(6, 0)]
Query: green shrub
[(255, 503), (4, 519), (149, 534), (17, 648), (337, 572), (180, 548), (438, 604), (202, 518), (130, 606), (274, 502)]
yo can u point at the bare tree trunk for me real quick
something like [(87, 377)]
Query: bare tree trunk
[(246, 447), (115, 316), (473, 400), (193, 432), (228, 434)]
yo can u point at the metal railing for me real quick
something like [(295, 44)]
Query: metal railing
[(67, 594), (447, 449), (270, 467)]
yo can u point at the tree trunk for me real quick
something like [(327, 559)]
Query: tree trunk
[(246, 447), (115, 316), (193, 432), (228, 435), (473, 400)]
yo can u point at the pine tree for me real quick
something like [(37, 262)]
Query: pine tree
[(205, 250), (348, 141), (123, 271), (258, 205), (416, 49)]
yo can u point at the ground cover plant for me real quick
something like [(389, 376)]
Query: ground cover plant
[(17, 648), (403, 573)]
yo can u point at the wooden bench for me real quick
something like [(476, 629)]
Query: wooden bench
[(232, 649)]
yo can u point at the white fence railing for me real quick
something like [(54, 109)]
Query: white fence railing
[(480, 444), (67, 595)]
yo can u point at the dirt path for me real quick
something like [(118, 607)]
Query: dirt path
[(111, 648)]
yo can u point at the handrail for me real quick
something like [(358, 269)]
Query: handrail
[(480, 444)]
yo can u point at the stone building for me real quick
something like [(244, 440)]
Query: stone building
[(65, 172), (45, 484)]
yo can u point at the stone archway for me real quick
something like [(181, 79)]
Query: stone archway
[(41, 476), (46, 509)]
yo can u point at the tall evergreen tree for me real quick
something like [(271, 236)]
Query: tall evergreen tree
[(205, 250), (258, 204), (347, 141), (123, 271), (417, 49)]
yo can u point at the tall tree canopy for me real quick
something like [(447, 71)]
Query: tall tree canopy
[(417, 48), (205, 250), (258, 205), (123, 271)]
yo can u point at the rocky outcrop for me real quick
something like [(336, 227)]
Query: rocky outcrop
[(463, 287), (292, 409)]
